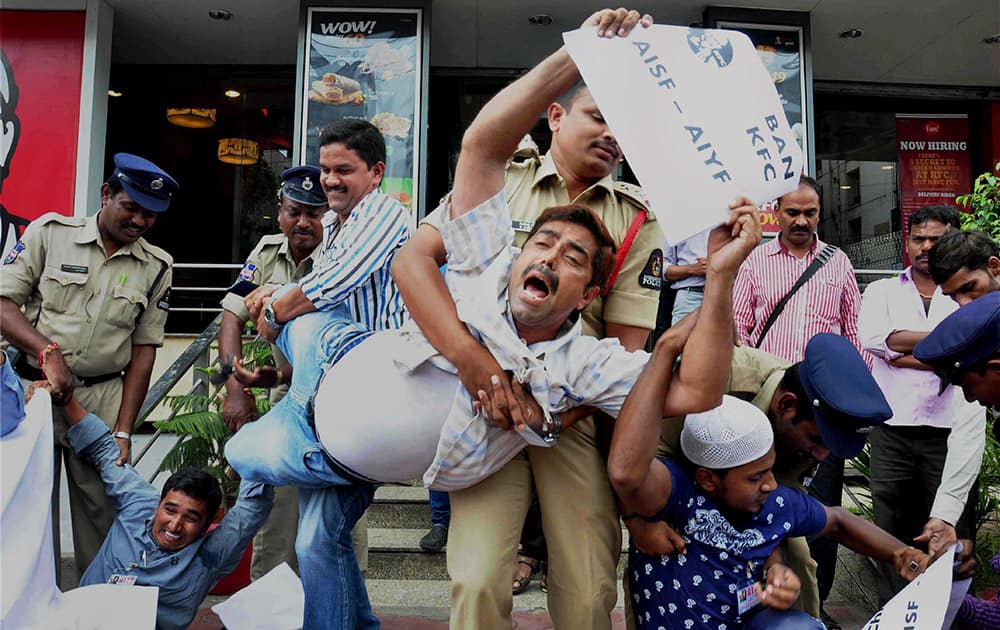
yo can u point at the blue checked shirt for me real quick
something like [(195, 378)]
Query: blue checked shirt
[(183, 577), (353, 267), (566, 372)]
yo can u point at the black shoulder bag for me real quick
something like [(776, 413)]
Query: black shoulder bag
[(821, 259)]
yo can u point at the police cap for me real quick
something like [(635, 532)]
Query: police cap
[(146, 183), (846, 401), (301, 184), (965, 338)]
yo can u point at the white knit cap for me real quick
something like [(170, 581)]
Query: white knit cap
[(732, 434)]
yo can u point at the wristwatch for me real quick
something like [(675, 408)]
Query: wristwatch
[(269, 317)]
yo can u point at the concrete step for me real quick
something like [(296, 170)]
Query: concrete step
[(400, 506), (432, 594), (395, 554)]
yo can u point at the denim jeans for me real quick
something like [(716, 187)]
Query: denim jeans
[(684, 302), (440, 508), (281, 448), (770, 619)]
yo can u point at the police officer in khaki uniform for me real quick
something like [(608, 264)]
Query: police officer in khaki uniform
[(825, 403), (277, 259), (579, 515), (85, 301)]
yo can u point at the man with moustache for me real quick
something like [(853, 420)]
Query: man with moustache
[(828, 302), (88, 298), (579, 513), (277, 259), (924, 460)]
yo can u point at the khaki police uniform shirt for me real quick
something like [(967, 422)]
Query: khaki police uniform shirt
[(270, 262), (93, 305), (533, 184), (754, 376)]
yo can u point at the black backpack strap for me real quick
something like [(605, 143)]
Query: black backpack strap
[(821, 259)]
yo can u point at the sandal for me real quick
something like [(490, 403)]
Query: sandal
[(543, 582), (521, 582)]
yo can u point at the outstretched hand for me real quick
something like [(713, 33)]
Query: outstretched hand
[(938, 535), (617, 22), (262, 375)]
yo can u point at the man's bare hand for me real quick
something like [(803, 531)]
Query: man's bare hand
[(34, 387), (730, 243), (966, 560), (938, 535), (910, 562), (59, 375), (261, 376), (476, 369), (509, 405), (699, 267), (617, 22), (238, 408), (254, 301), (655, 538), (781, 588), (124, 451)]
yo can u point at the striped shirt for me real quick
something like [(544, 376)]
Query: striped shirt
[(563, 373), (828, 302), (353, 267)]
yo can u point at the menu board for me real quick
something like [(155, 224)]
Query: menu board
[(366, 63)]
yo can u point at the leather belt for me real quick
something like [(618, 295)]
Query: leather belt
[(25, 371)]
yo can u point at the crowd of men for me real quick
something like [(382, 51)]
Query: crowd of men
[(507, 337)]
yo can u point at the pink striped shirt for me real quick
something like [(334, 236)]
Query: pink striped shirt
[(828, 302)]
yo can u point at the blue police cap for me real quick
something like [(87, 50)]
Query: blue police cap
[(846, 400), (966, 337), (301, 184), (146, 183)]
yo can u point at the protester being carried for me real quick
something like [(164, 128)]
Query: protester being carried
[(733, 515), (161, 538)]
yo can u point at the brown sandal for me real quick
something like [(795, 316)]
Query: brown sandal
[(521, 582)]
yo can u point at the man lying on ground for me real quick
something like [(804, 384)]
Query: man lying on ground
[(723, 498), (162, 539)]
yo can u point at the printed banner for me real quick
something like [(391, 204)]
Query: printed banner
[(933, 163), (41, 61), (366, 63), (922, 604), (780, 49), (702, 123)]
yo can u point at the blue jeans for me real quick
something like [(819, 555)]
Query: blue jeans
[(770, 619), (440, 508), (281, 448), (684, 302)]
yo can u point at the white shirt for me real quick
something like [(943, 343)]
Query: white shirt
[(894, 304), (566, 372)]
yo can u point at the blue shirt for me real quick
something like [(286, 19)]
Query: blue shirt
[(687, 252), (353, 267), (185, 576), (698, 589)]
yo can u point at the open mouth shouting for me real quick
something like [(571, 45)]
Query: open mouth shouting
[(538, 283)]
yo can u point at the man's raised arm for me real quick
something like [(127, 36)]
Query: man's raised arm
[(486, 146)]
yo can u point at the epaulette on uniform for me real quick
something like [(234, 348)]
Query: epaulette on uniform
[(62, 219), (634, 194), (156, 252)]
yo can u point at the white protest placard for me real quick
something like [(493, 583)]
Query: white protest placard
[(922, 604), (696, 114), (274, 602)]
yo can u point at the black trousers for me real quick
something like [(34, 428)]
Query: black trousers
[(827, 487)]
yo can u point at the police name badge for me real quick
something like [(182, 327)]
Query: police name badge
[(522, 226), (119, 579)]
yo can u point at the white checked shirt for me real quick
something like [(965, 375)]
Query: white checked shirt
[(354, 264), (565, 372)]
